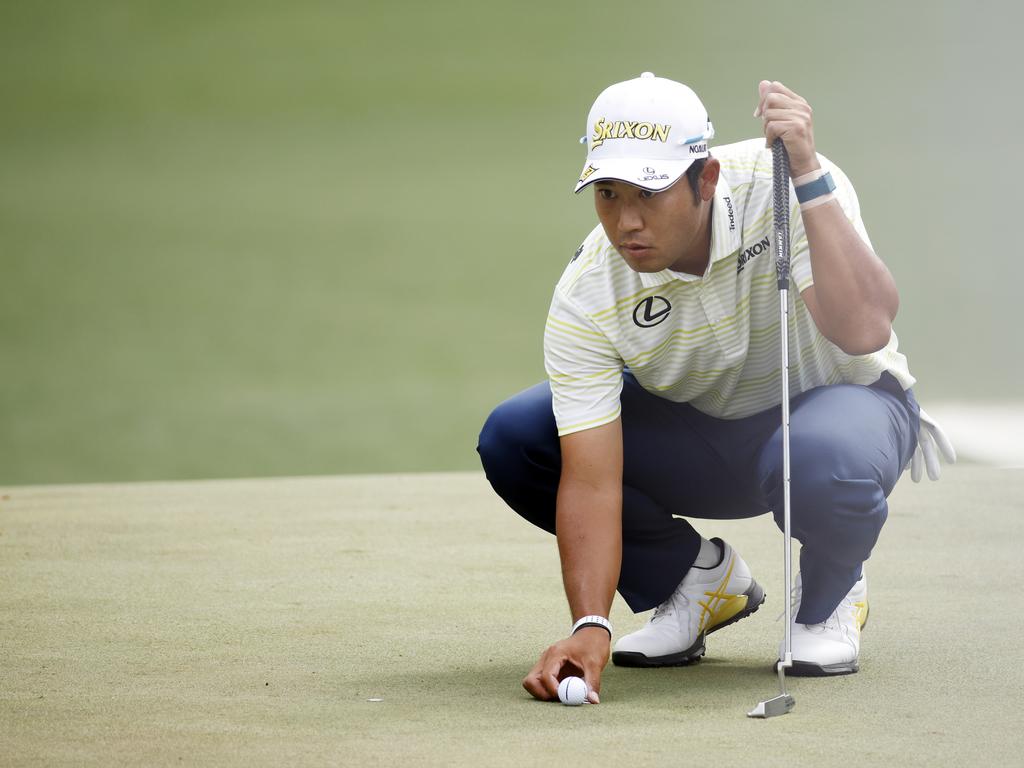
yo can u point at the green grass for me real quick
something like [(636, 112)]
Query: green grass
[(244, 239), (252, 622)]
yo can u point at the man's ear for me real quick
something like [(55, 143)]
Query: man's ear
[(708, 179)]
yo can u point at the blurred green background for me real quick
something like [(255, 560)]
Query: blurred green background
[(243, 239)]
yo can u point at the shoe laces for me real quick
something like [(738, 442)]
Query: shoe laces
[(668, 608), (662, 611), (832, 623)]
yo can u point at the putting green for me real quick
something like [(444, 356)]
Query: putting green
[(372, 620)]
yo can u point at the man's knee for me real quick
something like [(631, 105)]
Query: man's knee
[(834, 502), (497, 438), (521, 426), (519, 450)]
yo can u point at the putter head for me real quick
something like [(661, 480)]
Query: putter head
[(779, 705)]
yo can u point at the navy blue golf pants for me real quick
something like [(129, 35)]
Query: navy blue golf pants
[(848, 445)]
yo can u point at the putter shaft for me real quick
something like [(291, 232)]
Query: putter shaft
[(783, 703)]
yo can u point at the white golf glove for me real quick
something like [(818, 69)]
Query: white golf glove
[(931, 441)]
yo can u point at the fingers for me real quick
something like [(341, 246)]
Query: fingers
[(769, 94), (762, 89), (582, 655), (945, 446), (542, 682), (554, 664), (783, 117), (778, 87), (931, 457), (916, 465), (931, 442), (535, 686), (787, 130), (787, 115), (592, 676)]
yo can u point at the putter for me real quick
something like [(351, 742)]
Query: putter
[(784, 702)]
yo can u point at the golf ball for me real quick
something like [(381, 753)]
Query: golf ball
[(572, 691)]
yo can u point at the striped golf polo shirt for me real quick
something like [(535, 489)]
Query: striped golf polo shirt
[(711, 340)]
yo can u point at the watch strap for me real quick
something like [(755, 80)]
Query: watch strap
[(820, 186), (592, 621)]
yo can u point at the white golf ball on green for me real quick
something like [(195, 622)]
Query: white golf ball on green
[(572, 691)]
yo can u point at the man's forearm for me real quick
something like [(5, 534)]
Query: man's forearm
[(853, 300), (589, 528), (855, 293)]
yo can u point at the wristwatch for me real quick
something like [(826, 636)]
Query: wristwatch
[(592, 621)]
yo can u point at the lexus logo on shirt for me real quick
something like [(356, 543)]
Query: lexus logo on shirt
[(651, 311)]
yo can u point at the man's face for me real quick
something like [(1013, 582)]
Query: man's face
[(653, 231)]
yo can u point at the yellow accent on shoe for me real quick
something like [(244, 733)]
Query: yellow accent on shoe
[(860, 614), (721, 605), (706, 600), (726, 609)]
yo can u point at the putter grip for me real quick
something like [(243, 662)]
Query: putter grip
[(780, 207)]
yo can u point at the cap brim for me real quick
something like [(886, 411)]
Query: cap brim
[(654, 175)]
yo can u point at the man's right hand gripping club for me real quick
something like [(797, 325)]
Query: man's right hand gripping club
[(588, 523)]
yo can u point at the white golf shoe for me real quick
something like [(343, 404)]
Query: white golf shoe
[(833, 646), (706, 600)]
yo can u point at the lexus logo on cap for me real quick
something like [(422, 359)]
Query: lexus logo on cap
[(651, 174), (651, 311)]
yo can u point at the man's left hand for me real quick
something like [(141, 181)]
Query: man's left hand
[(787, 115)]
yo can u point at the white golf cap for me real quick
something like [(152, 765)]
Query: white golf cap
[(646, 131)]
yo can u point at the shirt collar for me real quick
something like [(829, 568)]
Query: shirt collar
[(725, 238)]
